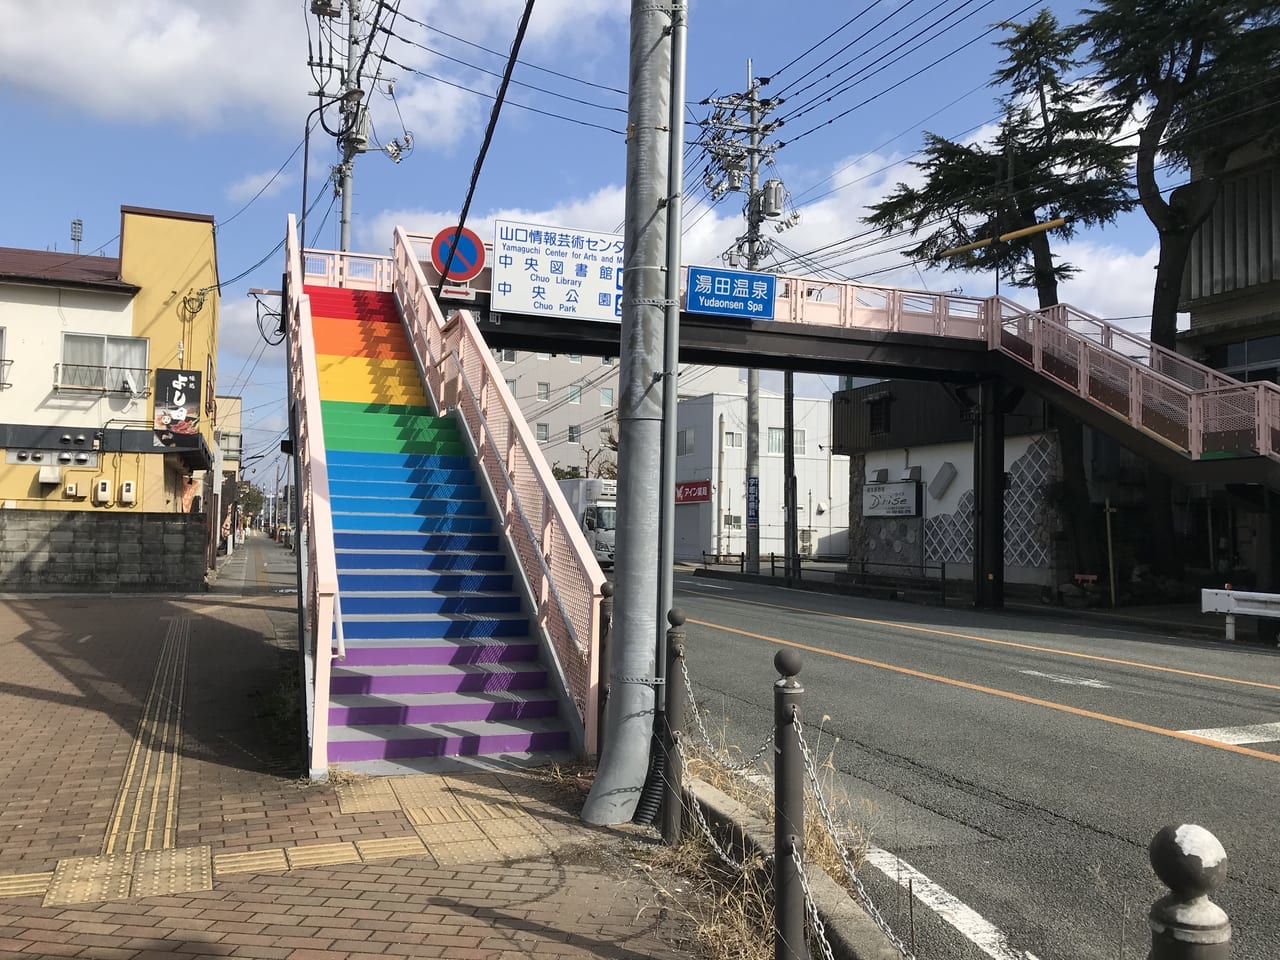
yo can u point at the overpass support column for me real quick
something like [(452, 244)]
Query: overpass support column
[(988, 497)]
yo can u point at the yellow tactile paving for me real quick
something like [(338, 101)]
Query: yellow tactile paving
[(90, 879), (492, 811), (521, 848), (165, 872), (367, 796), (389, 848), (421, 790), (251, 861), (426, 816), (435, 833), (322, 855), (465, 851), (517, 827), (24, 884)]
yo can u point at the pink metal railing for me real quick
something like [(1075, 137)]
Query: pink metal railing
[(357, 271), (553, 555), (1198, 410), (321, 589)]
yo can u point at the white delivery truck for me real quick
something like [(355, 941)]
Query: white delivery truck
[(594, 502)]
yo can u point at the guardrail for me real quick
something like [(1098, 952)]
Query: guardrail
[(1240, 603), (320, 591), (1193, 408), (724, 559), (553, 555)]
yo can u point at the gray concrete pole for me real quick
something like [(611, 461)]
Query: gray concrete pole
[(753, 375), (351, 120), (788, 806), (624, 761), (671, 342), (789, 551)]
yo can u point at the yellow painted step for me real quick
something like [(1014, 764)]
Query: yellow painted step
[(364, 380)]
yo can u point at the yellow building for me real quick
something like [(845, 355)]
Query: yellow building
[(107, 411)]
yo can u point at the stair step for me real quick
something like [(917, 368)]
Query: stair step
[(406, 603), (418, 708), (374, 540), (373, 582), (439, 652), (414, 626), (445, 739), (407, 506), (409, 462), (418, 562), (407, 489), (389, 474), (401, 523), (450, 678)]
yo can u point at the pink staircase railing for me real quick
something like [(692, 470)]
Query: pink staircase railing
[(563, 575), (316, 520)]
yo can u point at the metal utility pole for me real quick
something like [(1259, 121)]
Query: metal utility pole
[(623, 764), (355, 119), (730, 161)]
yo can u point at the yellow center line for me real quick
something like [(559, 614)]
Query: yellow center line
[(992, 691), (914, 628)]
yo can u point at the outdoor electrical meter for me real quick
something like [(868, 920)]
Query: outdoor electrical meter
[(127, 492), (102, 490)]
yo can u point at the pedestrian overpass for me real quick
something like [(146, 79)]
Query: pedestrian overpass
[(403, 395)]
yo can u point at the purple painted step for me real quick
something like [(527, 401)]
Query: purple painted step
[(487, 677), (363, 710), (445, 740), (389, 653)]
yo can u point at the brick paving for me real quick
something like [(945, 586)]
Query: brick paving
[(259, 863)]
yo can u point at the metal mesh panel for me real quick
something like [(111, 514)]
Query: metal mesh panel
[(1108, 381), (1165, 408), (1229, 420), (1060, 354)]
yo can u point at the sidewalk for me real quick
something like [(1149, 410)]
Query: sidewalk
[(150, 807)]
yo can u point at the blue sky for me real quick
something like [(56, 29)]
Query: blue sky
[(196, 106)]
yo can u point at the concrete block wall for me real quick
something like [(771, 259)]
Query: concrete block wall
[(100, 551)]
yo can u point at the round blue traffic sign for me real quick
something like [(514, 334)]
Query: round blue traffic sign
[(468, 256)]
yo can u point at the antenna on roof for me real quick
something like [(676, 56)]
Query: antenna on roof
[(77, 232)]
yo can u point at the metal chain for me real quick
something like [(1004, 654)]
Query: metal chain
[(698, 814), (829, 822), (716, 755), (811, 908)]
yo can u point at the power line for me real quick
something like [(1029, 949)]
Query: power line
[(786, 66), (263, 188)]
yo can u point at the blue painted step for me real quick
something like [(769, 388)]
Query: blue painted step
[(358, 560), (409, 506), (394, 523), (352, 579), (374, 540), (400, 474), (394, 626), (394, 604), (399, 461), (404, 488)]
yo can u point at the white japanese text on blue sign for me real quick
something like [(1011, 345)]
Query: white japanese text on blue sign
[(730, 293)]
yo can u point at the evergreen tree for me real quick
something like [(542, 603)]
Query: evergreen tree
[(1202, 79), (1051, 157)]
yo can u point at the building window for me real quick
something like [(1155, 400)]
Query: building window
[(544, 356), (1249, 360), (606, 361), (544, 390), (575, 358), (575, 433), (575, 393), (733, 438), (110, 364), (4, 362), (606, 396), (511, 385), (878, 416), (777, 440), (505, 355), (543, 433), (231, 445), (684, 443), (733, 521)]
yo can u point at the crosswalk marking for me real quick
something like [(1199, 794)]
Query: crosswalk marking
[(1256, 733)]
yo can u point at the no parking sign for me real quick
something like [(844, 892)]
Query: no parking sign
[(468, 255)]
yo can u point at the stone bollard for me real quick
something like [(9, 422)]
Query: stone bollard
[(673, 781), (1186, 924)]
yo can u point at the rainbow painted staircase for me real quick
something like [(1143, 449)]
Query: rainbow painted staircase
[(441, 656)]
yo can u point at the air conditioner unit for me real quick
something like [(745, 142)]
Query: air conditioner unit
[(50, 475), (128, 492), (71, 490), (102, 490)]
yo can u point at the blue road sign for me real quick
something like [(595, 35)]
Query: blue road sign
[(753, 503), (729, 293)]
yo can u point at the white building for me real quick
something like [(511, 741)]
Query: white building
[(712, 446)]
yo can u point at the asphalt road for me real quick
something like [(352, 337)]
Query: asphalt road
[(1020, 762)]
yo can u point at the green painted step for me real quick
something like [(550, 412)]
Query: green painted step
[(368, 444), (332, 407)]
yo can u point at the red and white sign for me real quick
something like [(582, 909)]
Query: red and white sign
[(693, 491), (468, 253)]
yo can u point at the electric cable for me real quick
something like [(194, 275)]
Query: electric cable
[(786, 66), (263, 188)]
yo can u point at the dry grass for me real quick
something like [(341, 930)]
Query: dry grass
[(732, 911)]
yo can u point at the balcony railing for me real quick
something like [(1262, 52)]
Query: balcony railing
[(4, 374), (135, 381)]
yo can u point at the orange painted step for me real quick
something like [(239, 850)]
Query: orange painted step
[(377, 340)]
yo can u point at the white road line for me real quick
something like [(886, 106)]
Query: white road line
[(1070, 681), (708, 586), (963, 918), (1257, 733)]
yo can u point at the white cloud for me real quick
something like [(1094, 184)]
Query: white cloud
[(269, 182)]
